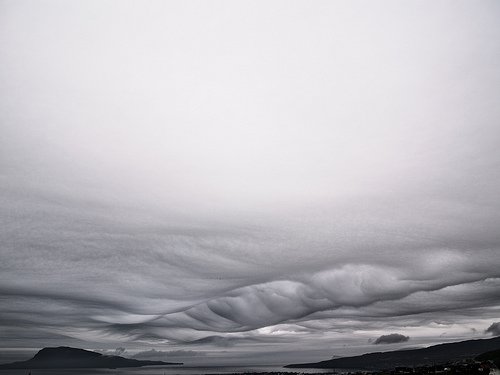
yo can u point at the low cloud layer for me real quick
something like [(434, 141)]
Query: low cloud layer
[(393, 338), (494, 329), (120, 351), (159, 355), (270, 182)]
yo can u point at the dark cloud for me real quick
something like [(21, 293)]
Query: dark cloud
[(392, 338), (494, 329)]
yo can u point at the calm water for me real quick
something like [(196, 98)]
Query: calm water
[(160, 370)]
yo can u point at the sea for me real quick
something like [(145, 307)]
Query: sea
[(169, 370)]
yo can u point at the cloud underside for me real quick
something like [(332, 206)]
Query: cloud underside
[(248, 176), (108, 281), (494, 329), (392, 338)]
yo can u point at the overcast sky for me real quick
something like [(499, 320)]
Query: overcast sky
[(270, 180)]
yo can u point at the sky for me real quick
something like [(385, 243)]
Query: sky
[(266, 182)]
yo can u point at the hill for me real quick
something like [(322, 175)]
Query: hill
[(407, 358), (66, 357), (493, 356)]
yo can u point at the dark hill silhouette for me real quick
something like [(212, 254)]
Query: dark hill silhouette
[(406, 358), (493, 356), (66, 357)]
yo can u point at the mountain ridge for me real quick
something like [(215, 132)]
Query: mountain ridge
[(439, 353), (68, 357)]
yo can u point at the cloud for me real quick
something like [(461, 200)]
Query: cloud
[(220, 341), (392, 338), (494, 329), (229, 203), (120, 351), (110, 352), (160, 355)]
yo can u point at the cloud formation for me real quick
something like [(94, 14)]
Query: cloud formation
[(392, 338), (494, 329), (313, 181), (158, 355), (120, 351)]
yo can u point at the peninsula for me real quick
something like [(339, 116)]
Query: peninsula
[(67, 357)]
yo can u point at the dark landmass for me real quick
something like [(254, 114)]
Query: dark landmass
[(493, 356), (441, 353), (66, 357)]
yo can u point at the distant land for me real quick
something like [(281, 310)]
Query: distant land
[(407, 358), (493, 356), (66, 357)]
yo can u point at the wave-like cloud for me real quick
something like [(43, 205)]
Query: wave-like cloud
[(152, 287), (315, 180)]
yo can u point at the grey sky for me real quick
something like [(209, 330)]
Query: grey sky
[(216, 179)]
